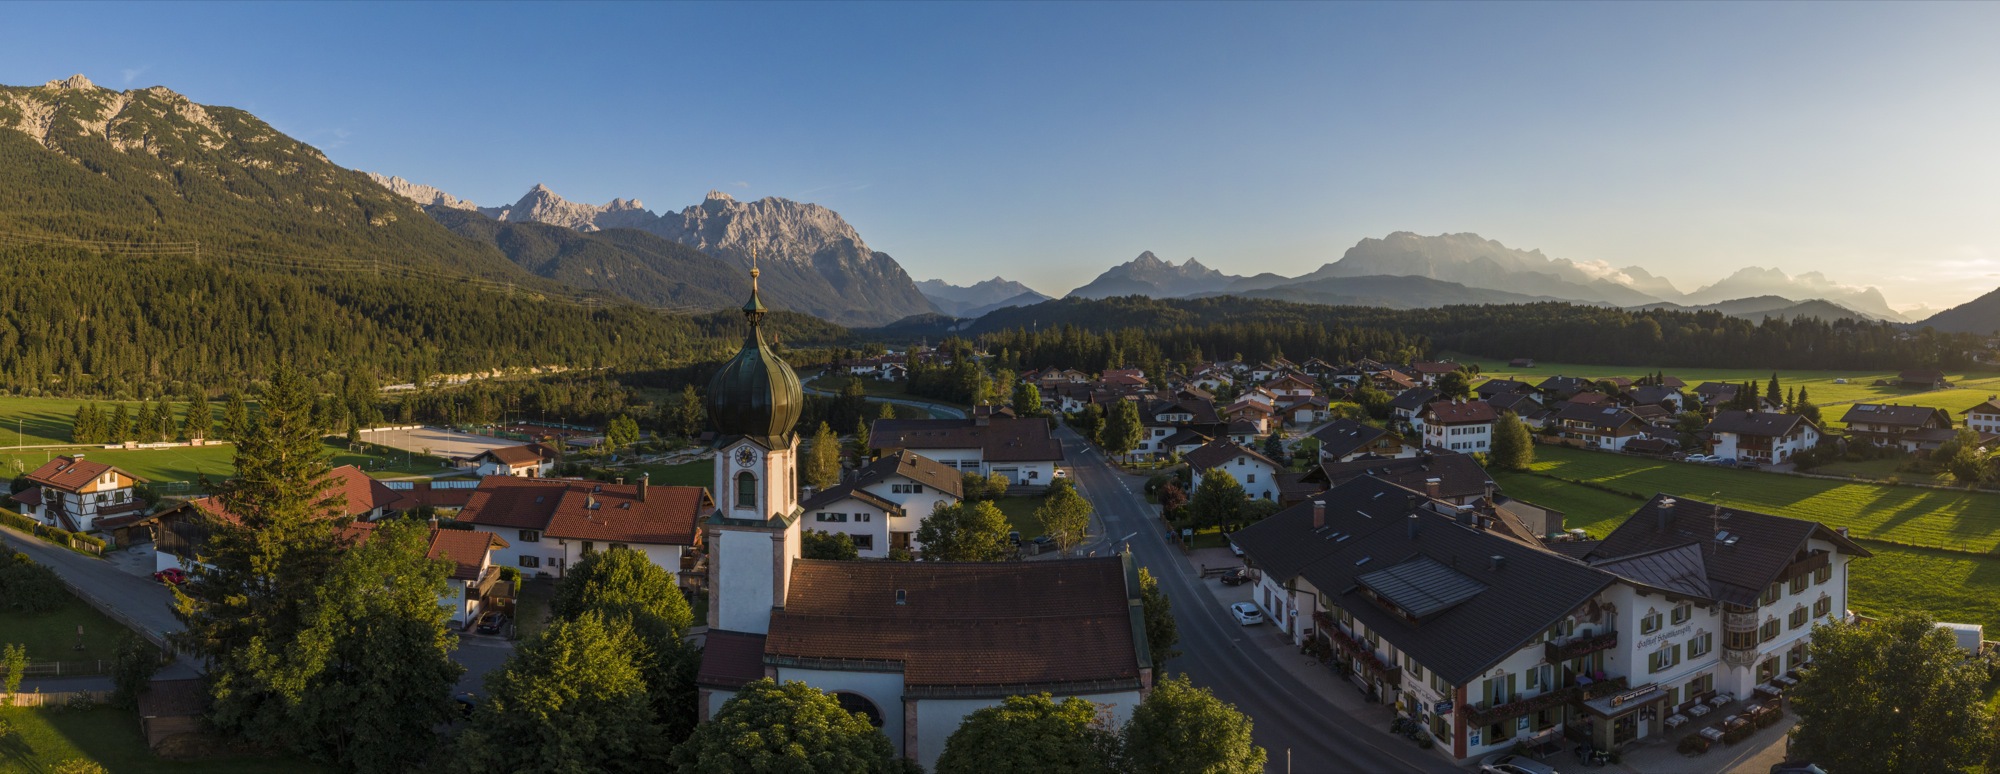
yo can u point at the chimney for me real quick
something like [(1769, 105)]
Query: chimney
[(620, 480), (1431, 487), (1665, 512), (644, 478), (1842, 531), (1319, 514), (1498, 562), (1413, 525)]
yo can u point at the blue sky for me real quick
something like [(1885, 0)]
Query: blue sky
[(1046, 142)]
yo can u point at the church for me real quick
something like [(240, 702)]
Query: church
[(912, 646)]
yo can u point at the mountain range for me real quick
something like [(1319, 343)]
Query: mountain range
[(811, 259), (1407, 270), (979, 298)]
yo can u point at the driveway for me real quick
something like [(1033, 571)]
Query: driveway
[(1233, 660)]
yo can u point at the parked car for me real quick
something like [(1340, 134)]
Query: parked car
[(1698, 458), (172, 576), (1062, 472), (1509, 763), (1246, 613), (1722, 460), (492, 623), (1234, 549), (1236, 577)]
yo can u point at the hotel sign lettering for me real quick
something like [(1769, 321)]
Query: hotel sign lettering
[(1654, 642)]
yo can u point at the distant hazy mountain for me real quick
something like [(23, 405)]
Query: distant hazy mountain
[(980, 297), (1980, 315), (1761, 307), (1477, 262), (1147, 275), (1390, 292), (1753, 281), (812, 260)]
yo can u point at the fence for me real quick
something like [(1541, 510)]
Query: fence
[(79, 668), (60, 698)]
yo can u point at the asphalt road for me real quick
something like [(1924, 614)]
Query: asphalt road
[(1215, 652)]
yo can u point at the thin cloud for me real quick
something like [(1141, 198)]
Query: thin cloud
[(132, 73), (740, 184)]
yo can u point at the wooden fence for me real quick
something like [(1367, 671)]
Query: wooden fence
[(60, 698)]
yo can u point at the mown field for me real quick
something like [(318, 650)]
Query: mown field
[(1962, 584), (46, 737), (179, 470), (1968, 390)]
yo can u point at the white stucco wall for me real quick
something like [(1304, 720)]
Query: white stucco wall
[(743, 588)]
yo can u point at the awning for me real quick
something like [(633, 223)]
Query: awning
[(1622, 702)]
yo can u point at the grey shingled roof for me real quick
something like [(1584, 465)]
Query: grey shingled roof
[(1761, 423), (1890, 414), (1459, 475), (1413, 399), (1342, 436), (1285, 542), (1679, 569)]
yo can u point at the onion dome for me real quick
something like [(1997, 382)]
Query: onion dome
[(755, 395)]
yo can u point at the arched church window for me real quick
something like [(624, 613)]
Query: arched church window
[(746, 490), (854, 702)]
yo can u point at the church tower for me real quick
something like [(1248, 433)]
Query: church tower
[(753, 402)]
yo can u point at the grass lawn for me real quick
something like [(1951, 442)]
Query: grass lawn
[(1963, 521), (178, 470), (698, 473), (45, 737), (51, 636), (43, 421), (1021, 515), (1953, 586), (1972, 387), (1880, 470)]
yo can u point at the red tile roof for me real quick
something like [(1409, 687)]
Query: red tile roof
[(362, 494), (30, 498), (423, 494), (71, 474), (589, 510), (1448, 413), (1217, 453), (466, 549), (964, 625), (517, 456), (731, 659)]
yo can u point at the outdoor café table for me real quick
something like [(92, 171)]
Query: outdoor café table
[(1788, 681), (1713, 733), (1675, 720), (1721, 699), (1698, 710)]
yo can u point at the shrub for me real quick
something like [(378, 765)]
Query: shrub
[(1693, 744), (77, 766), (18, 521), (27, 586)]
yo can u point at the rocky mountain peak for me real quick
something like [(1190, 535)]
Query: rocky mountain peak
[(421, 194), (74, 82), (718, 196), (1148, 260)]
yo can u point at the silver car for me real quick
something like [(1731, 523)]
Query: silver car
[(1509, 763), (1246, 613)]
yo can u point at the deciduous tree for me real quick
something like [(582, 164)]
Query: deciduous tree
[(1031, 733), (570, 700), (1454, 385), (1217, 500), (1122, 429), (965, 532), (822, 459), (1895, 695), (1513, 449), (795, 727), (1162, 632), (1064, 515), (1181, 728), (1027, 400), (815, 544)]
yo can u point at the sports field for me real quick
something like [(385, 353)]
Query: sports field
[(179, 470), (1961, 584), (1968, 388)]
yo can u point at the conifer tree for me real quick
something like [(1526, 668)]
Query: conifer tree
[(79, 425), (200, 418), (118, 429), (1773, 390), (142, 425), (235, 417)]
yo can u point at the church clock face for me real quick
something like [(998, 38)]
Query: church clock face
[(745, 457)]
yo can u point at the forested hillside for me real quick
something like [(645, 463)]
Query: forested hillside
[(621, 262), (1222, 326), (150, 244)]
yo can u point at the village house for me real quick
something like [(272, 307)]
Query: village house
[(1303, 412), (528, 460), (1258, 415), (1428, 372), (1291, 386), (1019, 449), (1459, 425), (1452, 478), (1599, 426), (1491, 387), (549, 524), (1409, 406), (1255, 472), (1761, 436), (469, 589), (80, 495), (180, 534), (1714, 394), (1985, 417), (1889, 424), (1243, 432), (1343, 440), (881, 506), (1656, 395), (1556, 388), (1923, 379), (442, 497)]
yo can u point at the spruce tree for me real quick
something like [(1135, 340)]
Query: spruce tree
[(142, 425), (235, 417), (119, 428), (79, 425), (163, 419), (1773, 390), (200, 418)]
